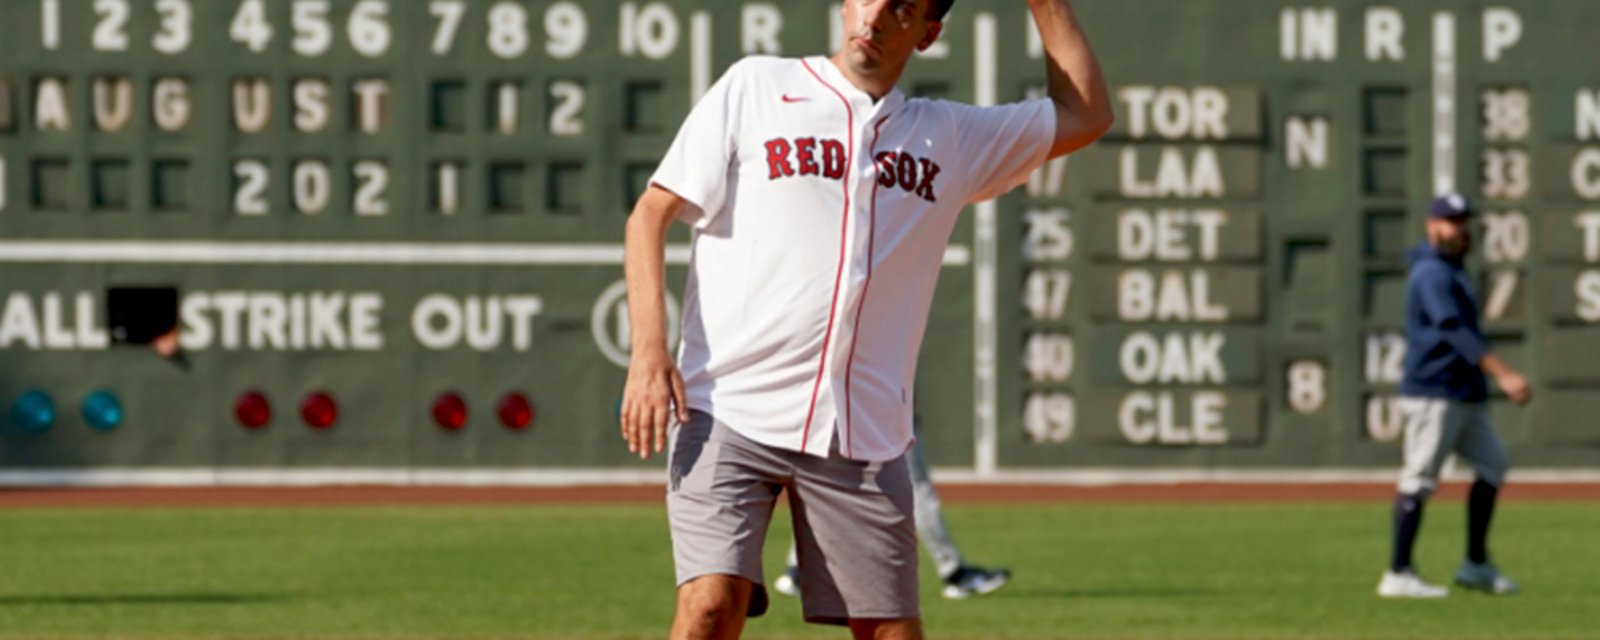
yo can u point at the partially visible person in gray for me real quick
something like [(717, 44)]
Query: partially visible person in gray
[(961, 580)]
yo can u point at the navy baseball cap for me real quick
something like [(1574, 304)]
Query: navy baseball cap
[(1452, 205)]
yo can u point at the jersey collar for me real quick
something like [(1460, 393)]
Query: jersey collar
[(859, 100)]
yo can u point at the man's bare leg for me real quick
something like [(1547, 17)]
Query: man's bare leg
[(711, 608), (877, 629)]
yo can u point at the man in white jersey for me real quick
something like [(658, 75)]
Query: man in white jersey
[(822, 201)]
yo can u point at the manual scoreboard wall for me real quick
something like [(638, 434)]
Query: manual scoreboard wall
[(393, 228)]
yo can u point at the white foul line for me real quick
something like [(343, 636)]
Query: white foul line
[(985, 389), (375, 253), (1444, 103)]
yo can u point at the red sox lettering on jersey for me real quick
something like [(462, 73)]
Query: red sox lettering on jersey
[(801, 158), (822, 216)]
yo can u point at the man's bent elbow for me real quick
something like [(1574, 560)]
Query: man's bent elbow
[(1101, 122), (1085, 131)]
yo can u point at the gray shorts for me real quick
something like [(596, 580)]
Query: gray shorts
[(854, 521), (1438, 427)]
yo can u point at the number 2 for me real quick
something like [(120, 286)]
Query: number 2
[(566, 118), (247, 199), (372, 178), (110, 34)]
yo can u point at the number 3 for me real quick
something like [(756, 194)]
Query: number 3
[(176, 18)]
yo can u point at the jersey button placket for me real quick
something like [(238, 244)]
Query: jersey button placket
[(861, 230)]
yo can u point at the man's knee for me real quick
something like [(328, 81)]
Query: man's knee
[(713, 601), (1419, 487), (1494, 476), (878, 629)]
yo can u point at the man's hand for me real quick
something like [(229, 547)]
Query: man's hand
[(1515, 386), (1508, 379), (654, 393)]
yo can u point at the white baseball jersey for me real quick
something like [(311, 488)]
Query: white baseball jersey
[(821, 219)]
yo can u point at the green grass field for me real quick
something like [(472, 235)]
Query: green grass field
[(1083, 571)]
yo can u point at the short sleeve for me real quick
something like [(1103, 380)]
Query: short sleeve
[(1004, 143), (697, 165)]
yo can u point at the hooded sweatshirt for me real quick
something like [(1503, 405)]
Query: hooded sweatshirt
[(1443, 343)]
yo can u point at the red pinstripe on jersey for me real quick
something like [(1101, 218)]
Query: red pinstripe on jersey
[(838, 276), (872, 228)]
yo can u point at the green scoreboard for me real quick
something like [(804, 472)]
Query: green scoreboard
[(388, 232)]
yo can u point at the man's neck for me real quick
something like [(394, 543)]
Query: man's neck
[(876, 85)]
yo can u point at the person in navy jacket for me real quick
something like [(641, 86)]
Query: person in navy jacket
[(1443, 391)]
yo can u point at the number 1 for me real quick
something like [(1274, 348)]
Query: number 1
[(50, 24)]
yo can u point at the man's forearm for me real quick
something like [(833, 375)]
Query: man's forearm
[(1491, 364), (1071, 68), (644, 266)]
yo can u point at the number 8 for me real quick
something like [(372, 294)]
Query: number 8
[(1308, 386), (508, 29)]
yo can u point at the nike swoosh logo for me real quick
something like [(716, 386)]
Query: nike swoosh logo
[(789, 99)]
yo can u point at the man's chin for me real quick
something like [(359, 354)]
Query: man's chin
[(862, 61)]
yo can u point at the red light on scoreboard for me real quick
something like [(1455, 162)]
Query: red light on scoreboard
[(450, 412), (319, 411), (252, 410), (515, 411)]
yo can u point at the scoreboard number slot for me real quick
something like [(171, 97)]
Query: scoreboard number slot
[(1050, 418), (508, 29), (372, 183), (249, 197), (566, 112), (1307, 386), (313, 185), (111, 31), (448, 14), (250, 27), (313, 35), (369, 28), (177, 27)]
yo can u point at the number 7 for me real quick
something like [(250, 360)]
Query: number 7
[(449, 13)]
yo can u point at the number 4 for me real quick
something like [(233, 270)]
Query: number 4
[(250, 26)]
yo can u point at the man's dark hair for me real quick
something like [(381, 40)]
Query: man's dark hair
[(937, 10)]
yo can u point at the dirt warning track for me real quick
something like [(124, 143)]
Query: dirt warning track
[(344, 496)]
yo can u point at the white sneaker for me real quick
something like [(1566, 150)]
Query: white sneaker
[(1407, 584), (789, 583), (1486, 578)]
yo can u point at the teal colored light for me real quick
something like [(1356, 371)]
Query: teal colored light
[(34, 412), (102, 410)]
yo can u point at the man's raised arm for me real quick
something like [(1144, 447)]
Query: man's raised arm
[(1083, 105)]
